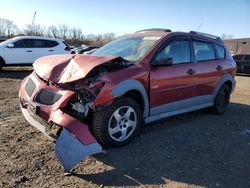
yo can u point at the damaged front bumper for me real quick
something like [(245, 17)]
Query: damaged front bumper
[(75, 142)]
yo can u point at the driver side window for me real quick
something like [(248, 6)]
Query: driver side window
[(24, 43), (179, 51)]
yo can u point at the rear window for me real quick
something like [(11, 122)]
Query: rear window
[(203, 51), (220, 51), (237, 57)]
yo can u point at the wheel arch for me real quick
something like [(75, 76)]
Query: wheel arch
[(2, 60), (137, 96), (135, 90), (226, 79)]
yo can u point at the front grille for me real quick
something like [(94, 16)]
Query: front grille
[(30, 87), (47, 97)]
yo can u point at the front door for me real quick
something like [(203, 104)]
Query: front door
[(171, 85), (21, 53)]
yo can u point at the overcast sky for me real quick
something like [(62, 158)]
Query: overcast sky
[(120, 17)]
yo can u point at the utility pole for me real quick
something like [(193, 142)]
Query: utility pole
[(33, 20)]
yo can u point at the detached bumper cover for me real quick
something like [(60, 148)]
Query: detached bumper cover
[(71, 151), (74, 143)]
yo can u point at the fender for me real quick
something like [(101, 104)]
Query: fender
[(225, 78), (128, 85)]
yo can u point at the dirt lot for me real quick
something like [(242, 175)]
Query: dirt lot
[(197, 149)]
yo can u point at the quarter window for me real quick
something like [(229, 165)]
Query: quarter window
[(203, 51), (220, 51), (179, 51)]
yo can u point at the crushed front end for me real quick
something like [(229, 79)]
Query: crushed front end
[(61, 109), (60, 97), (44, 106)]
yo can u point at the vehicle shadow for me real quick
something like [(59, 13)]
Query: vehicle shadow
[(15, 72), (196, 148)]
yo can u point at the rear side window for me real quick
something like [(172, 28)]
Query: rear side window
[(237, 57), (247, 57), (179, 51), (203, 51), (220, 51), (51, 43), (38, 43)]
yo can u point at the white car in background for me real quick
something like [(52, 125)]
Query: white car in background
[(25, 50)]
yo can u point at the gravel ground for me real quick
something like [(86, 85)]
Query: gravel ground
[(196, 149)]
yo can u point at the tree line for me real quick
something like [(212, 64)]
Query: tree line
[(72, 35)]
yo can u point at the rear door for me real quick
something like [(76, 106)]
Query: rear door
[(45, 47), (21, 53), (175, 83), (210, 60)]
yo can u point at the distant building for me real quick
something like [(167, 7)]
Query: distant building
[(238, 46)]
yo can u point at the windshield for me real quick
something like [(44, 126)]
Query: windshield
[(131, 48)]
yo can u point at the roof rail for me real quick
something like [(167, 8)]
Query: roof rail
[(207, 35), (154, 29)]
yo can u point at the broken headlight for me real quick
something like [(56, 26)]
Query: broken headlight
[(82, 102)]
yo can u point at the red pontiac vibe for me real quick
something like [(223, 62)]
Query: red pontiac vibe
[(85, 101)]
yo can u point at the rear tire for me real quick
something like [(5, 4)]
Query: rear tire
[(1, 65), (222, 99), (117, 124)]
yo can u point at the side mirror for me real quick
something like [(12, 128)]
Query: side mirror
[(166, 61), (10, 45)]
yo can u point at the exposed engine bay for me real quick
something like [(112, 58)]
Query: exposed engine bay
[(86, 90)]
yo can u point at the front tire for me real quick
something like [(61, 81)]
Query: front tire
[(222, 99), (118, 123)]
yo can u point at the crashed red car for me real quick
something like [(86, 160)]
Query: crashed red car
[(85, 101)]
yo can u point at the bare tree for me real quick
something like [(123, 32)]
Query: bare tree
[(53, 31), (36, 30), (63, 31), (7, 28), (74, 36), (107, 37), (76, 33), (227, 36)]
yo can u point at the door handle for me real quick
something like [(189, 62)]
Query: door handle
[(191, 71), (29, 51), (51, 50), (219, 68)]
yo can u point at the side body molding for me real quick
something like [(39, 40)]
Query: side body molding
[(128, 85)]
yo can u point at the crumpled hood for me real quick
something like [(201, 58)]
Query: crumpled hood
[(68, 68)]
